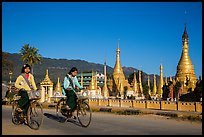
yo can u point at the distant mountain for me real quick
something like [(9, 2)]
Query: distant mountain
[(57, 68), (128, 70)]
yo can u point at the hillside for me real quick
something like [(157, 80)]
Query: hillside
[(57, 68)]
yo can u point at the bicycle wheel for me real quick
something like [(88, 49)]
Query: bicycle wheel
[(59, 111), (84, 114), (15, 115), (35, 115)]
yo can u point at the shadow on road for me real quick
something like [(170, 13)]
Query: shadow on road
[(61, 119)]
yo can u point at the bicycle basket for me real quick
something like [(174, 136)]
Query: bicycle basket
[(82, 95), (34, 95)]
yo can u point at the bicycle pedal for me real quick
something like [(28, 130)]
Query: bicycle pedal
[(73, 117), (25, 122)]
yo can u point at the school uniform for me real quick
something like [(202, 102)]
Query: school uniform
[(23, 87), (71, 96)]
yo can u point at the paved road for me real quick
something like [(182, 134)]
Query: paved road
[(104, 124)]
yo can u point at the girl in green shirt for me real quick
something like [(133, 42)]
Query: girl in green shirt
[(69, 85)]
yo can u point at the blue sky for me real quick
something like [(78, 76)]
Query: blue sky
[(150, 33)]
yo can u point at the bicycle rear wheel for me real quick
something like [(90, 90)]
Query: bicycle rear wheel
[(61, 113), (35, 115), (84, 114), (15, 115)]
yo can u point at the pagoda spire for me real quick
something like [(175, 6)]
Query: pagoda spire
[(140, 83), (166, 81), (148, 83), (96, 83), (154, 86), (105, 89), (58, 86), (170, 79), (92, 85), (161, 82), (118, 67), (134, 83), (118, 71), (185, 35)]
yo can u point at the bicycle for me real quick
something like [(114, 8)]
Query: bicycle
[(34, 117), (82, 109)]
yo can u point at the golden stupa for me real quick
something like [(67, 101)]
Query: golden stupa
[(140, 83), (134, 84), (185, 69), (119, 81), (161, 82), (105, 92), (46, 80), (58, 87), (148, 84), (93, 83), (154, 90)]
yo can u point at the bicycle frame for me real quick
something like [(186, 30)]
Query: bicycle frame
[(31, 113), (81, 107)]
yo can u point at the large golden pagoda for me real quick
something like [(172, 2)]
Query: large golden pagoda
[(119, 81), (185, 69)]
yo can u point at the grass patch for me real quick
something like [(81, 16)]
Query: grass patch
[(167, 114), (129, 112), (192, 118), (105, 109)]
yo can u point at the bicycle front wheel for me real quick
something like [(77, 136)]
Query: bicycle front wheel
[(84, 114), (35, 115)]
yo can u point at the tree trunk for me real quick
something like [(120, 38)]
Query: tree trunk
[(32, 69)]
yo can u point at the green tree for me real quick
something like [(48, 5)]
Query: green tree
[(125, 92), (145, 91), (6, 64), (176, 88), (30, 55), (198, 90), (166, 92)]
